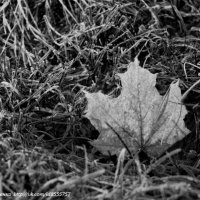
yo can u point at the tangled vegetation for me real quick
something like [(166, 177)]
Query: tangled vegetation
[(49, 52)]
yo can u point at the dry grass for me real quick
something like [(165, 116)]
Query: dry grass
[(49, 51)]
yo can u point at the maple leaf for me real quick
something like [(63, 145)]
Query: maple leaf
[(140, 116)]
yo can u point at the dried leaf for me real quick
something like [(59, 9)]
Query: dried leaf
[(142, 118)]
